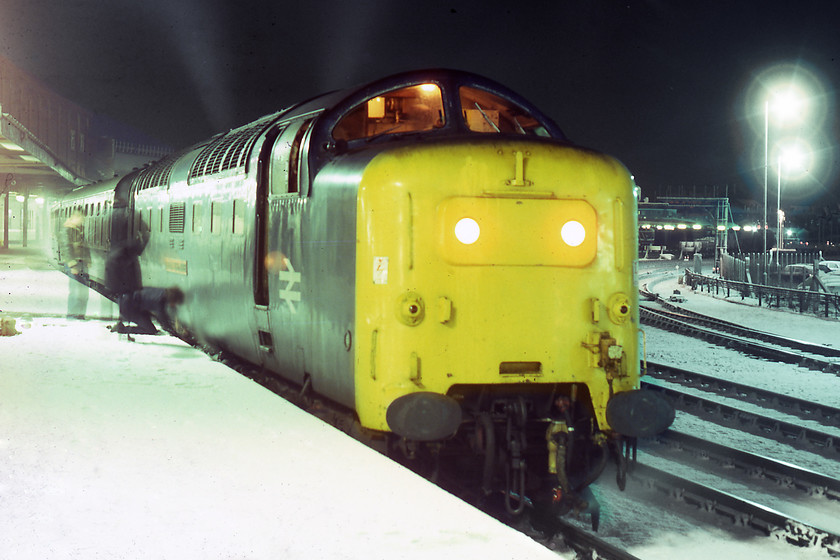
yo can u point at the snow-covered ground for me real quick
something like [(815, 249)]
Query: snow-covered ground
[(150, 450), (111, 449)]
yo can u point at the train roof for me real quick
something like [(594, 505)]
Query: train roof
[(338, 107)]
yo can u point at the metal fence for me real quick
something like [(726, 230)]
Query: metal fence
[(804, 301), (784, 269)]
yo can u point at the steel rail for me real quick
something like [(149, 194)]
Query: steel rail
[(786, 474), (657, 319), (807, 410), (741, 512), (681, 313), (800, 437), (585, 543)]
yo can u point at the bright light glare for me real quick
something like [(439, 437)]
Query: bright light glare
[(795, 158), (428, 88), (573, 233), (788, 104), (467, 231)]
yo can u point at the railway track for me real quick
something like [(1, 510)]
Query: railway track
[(697, 451), (587, 545), (798, 436), (741, 512), (663, 320), (804, 409), (680, 313), (712, 474)]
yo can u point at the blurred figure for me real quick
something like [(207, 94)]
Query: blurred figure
[(122, 265), (138, 307), (76, 259)]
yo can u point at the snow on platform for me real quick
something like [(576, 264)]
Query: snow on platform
[(112, 449)]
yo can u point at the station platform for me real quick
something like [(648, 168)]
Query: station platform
[(150, 449)]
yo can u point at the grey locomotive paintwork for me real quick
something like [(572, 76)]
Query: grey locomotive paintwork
[(307, 320)]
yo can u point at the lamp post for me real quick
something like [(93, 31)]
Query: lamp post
[(781, 240), (787, 104), (766, 165), (791, 159)]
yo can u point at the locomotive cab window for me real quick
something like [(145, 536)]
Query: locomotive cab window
[(487, 112), (287, 159), (410, 109)]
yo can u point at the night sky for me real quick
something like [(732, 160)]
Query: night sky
[(665, 86)]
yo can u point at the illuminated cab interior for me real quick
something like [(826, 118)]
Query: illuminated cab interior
[(483, 111), (420, 108), (409, 109)]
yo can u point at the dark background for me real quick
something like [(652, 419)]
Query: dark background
[(666, 86)]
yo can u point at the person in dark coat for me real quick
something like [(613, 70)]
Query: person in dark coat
[(122, 265), (139, 306)]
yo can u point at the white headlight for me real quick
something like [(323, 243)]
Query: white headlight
[(573, 233), (467, 231)]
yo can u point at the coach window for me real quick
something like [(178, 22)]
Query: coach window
[(215, 217), (410, 109), (238, 216), (196, 217), (107, 224)]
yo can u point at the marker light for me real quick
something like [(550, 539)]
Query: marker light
[(467, 231), (573, 233)]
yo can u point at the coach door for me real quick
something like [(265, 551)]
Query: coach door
[(281, 187)]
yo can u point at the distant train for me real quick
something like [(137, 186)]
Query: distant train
[(427, 250)]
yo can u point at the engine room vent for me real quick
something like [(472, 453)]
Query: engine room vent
[(229, 151), (155, 176), (177, 211)]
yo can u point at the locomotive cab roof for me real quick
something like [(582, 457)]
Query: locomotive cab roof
[(422, 104)]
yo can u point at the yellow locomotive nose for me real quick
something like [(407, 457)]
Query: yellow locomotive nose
[(477, 287)]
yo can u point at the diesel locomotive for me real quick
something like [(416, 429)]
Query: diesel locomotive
[(428, 251)]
